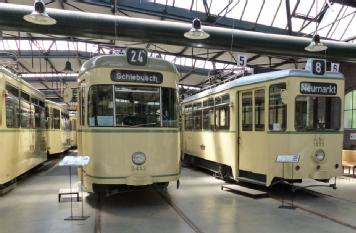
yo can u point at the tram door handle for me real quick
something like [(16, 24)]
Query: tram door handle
[(238, 140)]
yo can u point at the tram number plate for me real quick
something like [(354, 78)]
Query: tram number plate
[(138, 168), (287, 159)]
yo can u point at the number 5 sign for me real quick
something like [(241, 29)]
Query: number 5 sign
[(242, 60), (335, 67)]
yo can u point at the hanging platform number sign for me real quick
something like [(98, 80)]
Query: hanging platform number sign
[(318, 66), (136, 56)]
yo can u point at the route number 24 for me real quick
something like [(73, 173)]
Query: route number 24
[(137, 56)]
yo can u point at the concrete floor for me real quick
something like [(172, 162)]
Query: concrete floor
[(198, 206)]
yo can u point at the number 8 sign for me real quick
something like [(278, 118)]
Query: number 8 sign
[(318, 67)]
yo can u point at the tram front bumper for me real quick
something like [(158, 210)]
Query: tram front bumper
[(139, 180)]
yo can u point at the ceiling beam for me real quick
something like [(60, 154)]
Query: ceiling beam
[(154, 31)]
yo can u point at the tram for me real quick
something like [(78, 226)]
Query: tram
[(58, 133), (22, 127), (268, 128), (128, 121), (73, 129)]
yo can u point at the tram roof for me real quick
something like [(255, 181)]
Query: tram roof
[(20, 80), (120, 61), (263, 77)]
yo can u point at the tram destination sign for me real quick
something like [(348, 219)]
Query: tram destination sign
[(136, 76), (318, 88)]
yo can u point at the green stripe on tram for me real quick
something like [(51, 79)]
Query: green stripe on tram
[(304, 132), (11, 130), (125, 177), (126, 130)]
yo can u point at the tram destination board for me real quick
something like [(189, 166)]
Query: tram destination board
[(136, 76), (318, 88)]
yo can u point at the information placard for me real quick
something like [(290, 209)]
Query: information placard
[(74, 161), (287, 159)]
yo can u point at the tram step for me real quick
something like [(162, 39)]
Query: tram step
[(254, 193)]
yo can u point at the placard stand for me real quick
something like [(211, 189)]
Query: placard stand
[(75, 161), (287, 159)]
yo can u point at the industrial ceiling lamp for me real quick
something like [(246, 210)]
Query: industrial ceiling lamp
[(39, 15), (316, 45), (68, 67), (196, 32)]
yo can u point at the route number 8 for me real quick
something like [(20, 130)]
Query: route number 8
[(318, 67)]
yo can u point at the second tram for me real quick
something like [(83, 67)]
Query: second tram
[(239, 128), (128, 121), (22, 127), (58, 135)]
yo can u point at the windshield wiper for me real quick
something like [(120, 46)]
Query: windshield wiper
[(140, 125)]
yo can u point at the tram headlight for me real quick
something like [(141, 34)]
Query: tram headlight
[(138, 158), (319, 155)]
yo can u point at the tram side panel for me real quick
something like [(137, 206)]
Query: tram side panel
[(22, 132)]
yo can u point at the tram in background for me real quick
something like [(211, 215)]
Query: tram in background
[(73, 129), (128, 121), (239, 128), (58, 132), (22, 127)]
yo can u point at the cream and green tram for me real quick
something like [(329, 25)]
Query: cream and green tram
[(73, 129), (22, 127), (128, 122), (58, 134), (264, 128)]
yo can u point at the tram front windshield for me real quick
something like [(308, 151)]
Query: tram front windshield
[(134, 106), (317, 113)]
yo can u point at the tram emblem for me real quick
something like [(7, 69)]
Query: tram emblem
[(319, 141)]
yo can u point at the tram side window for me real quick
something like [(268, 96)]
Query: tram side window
[(222, 112), (56, 119), (82, 106), (169, 107), (277, 109), (188, 119), (208, 114), (12, 107), (47, 123), (197, 116), (40, 116), (25, 116), (247, 111), (100, 106), (260, 110)]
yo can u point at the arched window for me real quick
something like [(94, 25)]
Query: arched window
[(350, 110)]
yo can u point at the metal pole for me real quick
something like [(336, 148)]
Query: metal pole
[(70, 190)]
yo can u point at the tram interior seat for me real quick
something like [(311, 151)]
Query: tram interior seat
[(349, 161)]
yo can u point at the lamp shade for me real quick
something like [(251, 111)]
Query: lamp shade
[(68, 67), (39, 15), (315, 45), (196, 32)]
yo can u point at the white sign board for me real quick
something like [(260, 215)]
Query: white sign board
[(335, 67), (352, 136), (242, 60), (74, 161), (287, 159)]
